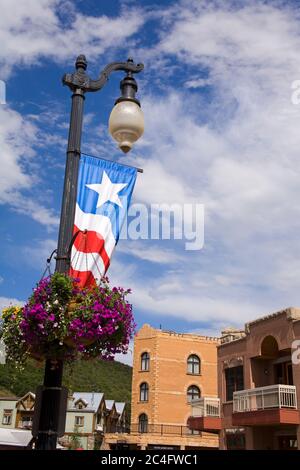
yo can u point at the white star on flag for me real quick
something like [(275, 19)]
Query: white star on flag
[(107, 190)]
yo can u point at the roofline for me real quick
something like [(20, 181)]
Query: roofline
[(292, 313), (10, 398), (232, 341)]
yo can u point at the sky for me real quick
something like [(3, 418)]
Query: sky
[(221, 129)]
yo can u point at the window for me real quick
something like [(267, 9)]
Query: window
[(144, 391), (234, 377), (145, 361), (79, 420), (7, 417), (235, 441), (284, 373), (79, 404), (193, 432), (193, 365), (193, 392), (143, 423), (26, 422)]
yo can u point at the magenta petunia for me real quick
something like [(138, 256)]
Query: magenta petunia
[(61, 320)]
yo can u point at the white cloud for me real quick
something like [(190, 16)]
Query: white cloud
[(35, 255), (180, 294), (7, 301), (198, 83), (18, 137), (31, 30), (126, 358), (148, 251), (237, 152)]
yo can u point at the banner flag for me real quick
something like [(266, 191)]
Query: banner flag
[(103, 197)]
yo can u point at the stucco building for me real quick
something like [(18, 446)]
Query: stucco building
[(258, 384)]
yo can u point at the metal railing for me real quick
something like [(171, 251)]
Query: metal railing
[(206, 406), (162, 430), (158, 429), (262, 398)]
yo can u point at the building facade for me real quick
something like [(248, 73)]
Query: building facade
[(259, 385), (169, 370), (89, 417)]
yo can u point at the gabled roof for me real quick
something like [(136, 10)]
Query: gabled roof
[(21, 400), (92, 400), (28, 394), (15, 437), (109, 404), (119, 407)]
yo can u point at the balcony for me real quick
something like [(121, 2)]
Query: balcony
[(205, 415), (263, 406)]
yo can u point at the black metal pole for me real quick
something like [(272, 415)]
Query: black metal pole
[(79, 83), (50, 405)]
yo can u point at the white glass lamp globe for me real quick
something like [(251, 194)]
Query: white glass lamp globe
[(126, 124)]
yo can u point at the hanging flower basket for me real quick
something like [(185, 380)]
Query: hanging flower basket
[(63, 321)]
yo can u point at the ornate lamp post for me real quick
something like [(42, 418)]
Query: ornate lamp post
[(126, 124)]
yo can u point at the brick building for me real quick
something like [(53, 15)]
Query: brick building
[(169, 370)]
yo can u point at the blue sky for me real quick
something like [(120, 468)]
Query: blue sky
[(220, 129)]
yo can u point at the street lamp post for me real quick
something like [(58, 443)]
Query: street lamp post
[(126, 125)]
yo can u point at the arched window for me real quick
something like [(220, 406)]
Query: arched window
[(193, 364), (269, 347), (193, 392), (144, 391), (145, 361), (143, 423)]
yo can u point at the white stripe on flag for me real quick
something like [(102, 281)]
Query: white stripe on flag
[(96, 223), (92, 262)]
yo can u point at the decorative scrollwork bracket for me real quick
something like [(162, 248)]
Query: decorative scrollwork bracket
[(80, 79)]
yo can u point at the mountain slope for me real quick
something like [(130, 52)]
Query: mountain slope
[(112, 378)]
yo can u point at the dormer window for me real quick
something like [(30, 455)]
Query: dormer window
[(80, 404)]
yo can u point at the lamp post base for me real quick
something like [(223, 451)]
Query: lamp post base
[(50, 407)]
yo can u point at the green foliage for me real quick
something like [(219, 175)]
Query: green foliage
[(62, 287), (63, 321), (110, 377), (75, 441)]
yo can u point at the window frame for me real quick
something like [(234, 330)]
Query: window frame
[(190, 398), (144, 392), (145, 360), (7, 413), (81, 418), (236, 375), (192, 363), (143, 424)]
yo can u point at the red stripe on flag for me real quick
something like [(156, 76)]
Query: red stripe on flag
[(91, 242), (86, 278)]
